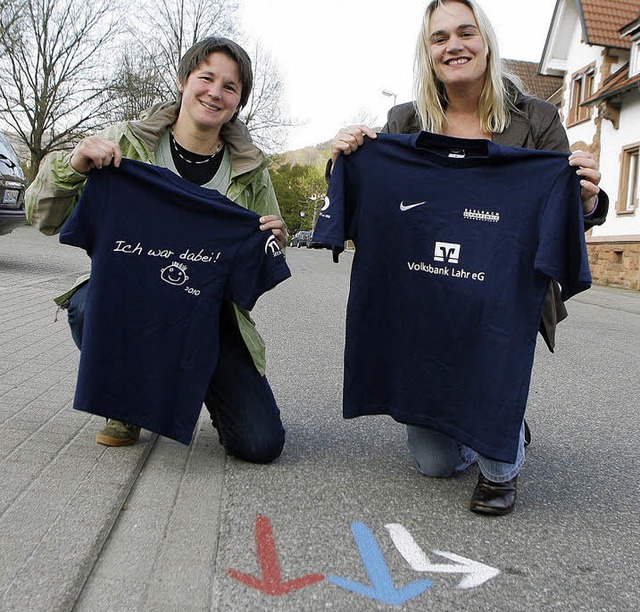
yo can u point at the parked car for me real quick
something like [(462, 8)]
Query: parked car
[(312, 244), (12, 186), (301, 239)]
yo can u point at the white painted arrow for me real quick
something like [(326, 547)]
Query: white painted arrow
[(477, 573)]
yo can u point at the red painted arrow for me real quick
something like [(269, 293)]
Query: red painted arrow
[(271, 582)]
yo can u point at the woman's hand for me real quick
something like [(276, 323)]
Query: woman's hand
[(348, 139), (95, 152), (588, 171), (276, 225)]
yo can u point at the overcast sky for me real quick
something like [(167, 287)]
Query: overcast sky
[(336, 56)]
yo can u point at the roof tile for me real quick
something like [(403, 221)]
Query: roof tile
[(604, 18), (537, 85)]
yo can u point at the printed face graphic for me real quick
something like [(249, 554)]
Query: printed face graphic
[(175, 274)]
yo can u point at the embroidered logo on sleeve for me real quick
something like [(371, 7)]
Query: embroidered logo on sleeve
[(272, 246)]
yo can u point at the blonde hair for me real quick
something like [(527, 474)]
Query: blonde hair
[(496, 99)]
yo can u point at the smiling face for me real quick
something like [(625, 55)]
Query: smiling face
[(175, 274), (458, 52), (211, 93)]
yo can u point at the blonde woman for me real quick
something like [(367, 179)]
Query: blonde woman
[(461, 90)]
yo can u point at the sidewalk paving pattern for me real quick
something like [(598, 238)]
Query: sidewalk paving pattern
[(160, 527)]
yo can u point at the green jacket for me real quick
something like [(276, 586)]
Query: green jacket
[(53, 194)]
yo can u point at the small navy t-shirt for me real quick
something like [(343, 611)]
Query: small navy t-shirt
[(165, 253), (456, 241)]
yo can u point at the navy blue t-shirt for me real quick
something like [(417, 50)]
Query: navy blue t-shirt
[(456, 241), (165, 253)]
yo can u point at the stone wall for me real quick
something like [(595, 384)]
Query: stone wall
[(616, 264)]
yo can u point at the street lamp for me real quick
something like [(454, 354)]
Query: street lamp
[(390, 94), (303, 214)]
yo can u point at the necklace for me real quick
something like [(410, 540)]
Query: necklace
[(184, 154)]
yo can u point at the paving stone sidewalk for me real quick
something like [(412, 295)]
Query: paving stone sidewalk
[(62, 493)]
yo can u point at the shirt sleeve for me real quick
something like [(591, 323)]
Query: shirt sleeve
[(331, 226), (258, 266), (80, 227), (562, 250)]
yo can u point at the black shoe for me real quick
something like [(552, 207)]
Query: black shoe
[(527, 434), (494, 498)]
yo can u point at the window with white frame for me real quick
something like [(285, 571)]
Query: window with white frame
[(634, 61), (581, 90), (629, 179)]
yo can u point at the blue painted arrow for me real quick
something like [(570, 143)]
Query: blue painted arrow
[(382, 587)]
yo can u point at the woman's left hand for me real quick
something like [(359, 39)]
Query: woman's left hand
[(590, 175), (276, 225)]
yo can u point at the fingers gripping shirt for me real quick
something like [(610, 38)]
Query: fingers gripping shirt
[(164, 255), (456, 241)]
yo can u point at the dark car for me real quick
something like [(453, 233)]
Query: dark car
[(317, 245), (300, 239), (12, 185)]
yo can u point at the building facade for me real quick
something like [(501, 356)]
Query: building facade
[(594, 45)]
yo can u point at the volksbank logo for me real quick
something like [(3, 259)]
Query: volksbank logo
[(447, 251)]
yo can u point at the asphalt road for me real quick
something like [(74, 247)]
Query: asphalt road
[(571, 544), (342, 521)]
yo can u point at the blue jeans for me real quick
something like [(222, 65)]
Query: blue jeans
[(438, 455), (239, 399)]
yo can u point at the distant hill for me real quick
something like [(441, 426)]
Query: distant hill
[(308, 156), (316, 155)]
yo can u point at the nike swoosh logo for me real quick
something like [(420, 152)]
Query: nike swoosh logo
[(404, 207)]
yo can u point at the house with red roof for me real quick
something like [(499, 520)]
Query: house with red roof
[(594, 45)]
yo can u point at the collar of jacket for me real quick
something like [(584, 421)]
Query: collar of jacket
[(245, 156), (519, 126), (515, 135)]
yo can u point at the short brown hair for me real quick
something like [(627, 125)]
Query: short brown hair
[(199, 52)]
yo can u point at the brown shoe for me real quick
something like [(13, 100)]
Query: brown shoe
[(493, 498), (117, 433)]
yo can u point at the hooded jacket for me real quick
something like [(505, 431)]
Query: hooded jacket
[(53, 194)]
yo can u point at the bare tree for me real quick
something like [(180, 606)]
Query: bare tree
[(136, 84), (9, 12), (364, 115), (52, 71), (265, 114), (175, 25)]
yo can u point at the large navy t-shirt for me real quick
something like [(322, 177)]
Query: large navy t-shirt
[(164, 255), (456, 241)]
